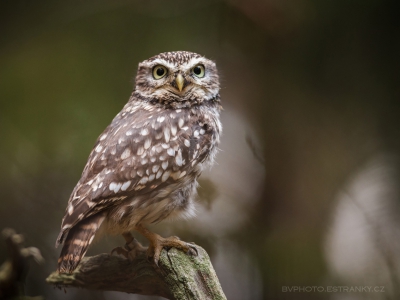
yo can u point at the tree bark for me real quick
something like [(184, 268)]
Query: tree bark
[(177, 276)]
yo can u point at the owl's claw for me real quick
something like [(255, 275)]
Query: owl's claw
[(193, 250), (158, 243)]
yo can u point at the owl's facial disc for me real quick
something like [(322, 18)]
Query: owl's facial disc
[(182, 78)]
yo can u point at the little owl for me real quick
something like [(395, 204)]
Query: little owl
[(144, 166)]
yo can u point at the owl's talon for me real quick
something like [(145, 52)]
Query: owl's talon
[(193, 250), (157, 244)]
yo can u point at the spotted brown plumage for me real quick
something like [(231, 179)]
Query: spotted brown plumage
[(143, 167)]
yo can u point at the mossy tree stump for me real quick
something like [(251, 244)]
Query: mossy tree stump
[(178, 275)]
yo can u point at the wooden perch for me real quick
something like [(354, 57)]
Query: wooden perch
[(178, 276)]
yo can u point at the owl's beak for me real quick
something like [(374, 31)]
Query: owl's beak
[(179, 82)]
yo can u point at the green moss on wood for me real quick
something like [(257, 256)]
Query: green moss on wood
[(179, 276)]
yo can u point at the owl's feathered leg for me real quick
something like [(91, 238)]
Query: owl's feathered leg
[(157, 243), (131, 249)]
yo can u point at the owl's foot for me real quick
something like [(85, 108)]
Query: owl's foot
[(157, 243), (131, 249)]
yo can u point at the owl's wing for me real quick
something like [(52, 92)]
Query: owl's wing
[(142, 151)]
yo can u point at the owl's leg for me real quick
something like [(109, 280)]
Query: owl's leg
[(157, 243), (131, 249)]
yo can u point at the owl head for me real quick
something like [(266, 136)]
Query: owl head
[(179, 79)]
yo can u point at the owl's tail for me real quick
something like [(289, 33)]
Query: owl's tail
[(77, 242)]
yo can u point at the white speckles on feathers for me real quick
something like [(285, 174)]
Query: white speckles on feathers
[(126, 153), (159, 148), (125, 185), (173, 130), (159, 173), (140, 150), (178, 158), (140, 172), (166, 134), (144, 131), (165, 176), (171, 152), (115, 187), (144, 180), (147, 143)]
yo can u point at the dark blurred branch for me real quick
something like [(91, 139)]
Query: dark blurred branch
[(13, 270), (179, 275)]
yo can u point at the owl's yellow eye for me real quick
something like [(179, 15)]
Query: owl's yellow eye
[(199, 71), (159, 72)]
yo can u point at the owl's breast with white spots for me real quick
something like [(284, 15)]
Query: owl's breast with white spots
[(146, 147)]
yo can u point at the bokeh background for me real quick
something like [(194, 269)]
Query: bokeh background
[(306, 187)]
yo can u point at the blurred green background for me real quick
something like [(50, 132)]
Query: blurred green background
[(305, 192)]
